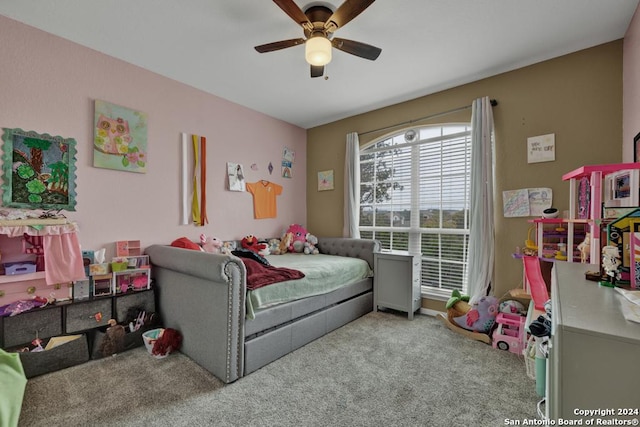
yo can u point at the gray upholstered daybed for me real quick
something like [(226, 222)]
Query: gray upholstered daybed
[(204, 296)]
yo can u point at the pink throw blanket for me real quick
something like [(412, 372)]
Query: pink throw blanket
[(259, 275)]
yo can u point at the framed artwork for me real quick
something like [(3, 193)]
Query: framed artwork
[(39, 170), (325, 180), (120, 138), (636, 148)]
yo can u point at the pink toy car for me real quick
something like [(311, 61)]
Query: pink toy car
[(510, 334)]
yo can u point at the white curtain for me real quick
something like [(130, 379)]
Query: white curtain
[(481, 238), (352, 187)]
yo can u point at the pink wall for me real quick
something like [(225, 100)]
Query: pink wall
[(48, 85), (631, 87)]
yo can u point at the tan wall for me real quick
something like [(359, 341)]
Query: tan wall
[(578, 97)]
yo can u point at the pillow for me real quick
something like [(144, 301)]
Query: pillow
[(185, 243), (246, 253)]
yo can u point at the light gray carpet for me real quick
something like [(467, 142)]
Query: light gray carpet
[(381, 369)]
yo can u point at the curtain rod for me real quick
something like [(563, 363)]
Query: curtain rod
[(444, 113)]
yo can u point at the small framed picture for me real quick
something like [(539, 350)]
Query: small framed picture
[(325, 180), (636, 148)]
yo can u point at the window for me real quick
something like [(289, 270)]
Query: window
[(414, 195)]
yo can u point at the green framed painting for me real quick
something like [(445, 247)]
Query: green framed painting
[(38, 170), (120, 138)]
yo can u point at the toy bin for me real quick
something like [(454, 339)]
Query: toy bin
[(70, 353), (150, 338)]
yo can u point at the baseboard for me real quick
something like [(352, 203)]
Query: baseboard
[(430, 312)]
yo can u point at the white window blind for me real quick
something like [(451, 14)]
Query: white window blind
[(415, 196)]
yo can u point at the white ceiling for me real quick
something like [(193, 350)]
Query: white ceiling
[(427, 45)]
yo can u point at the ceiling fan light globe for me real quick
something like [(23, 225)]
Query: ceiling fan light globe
[(317, 51)]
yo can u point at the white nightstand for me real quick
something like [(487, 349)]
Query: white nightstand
[(396, 281)]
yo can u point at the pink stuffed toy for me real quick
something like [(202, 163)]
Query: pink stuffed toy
[(210, 244), (299, 237)]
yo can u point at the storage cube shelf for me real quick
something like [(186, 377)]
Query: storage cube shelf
[(83, 317)]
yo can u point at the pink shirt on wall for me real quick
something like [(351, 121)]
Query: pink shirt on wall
[(264, 198)]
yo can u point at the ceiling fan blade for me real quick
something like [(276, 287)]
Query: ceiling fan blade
[(270, 47), (317, 70), (345, 13), (362, 50), (294, 12)]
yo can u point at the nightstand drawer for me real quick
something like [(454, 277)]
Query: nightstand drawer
[(87, 315), (22, 329)]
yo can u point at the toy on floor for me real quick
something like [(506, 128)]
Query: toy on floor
[(510, 335), (481, 316), (169, 340), (460, 312), (457, 305)]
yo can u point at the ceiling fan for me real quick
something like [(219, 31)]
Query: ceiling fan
[(319, 23)]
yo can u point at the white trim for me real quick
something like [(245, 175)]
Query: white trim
[(430, 312), (435, 294)]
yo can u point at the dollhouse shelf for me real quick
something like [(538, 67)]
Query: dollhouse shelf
[(595, 174), (552, 232)]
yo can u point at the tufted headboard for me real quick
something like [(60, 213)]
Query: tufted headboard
[(344, 246)]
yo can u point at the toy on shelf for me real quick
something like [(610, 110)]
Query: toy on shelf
[(556, 239), (529, 243), (534, 282), (585, 248), (610, 264), (510, 335), (622, 232)]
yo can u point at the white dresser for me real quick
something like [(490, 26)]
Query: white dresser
[(594, 355)]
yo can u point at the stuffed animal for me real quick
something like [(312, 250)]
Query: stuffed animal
[(113, 340), (481, 316), (310, 245), (274, 246), (286, 241), (457, 305), (299, 237), (210, 244), (251, 243)]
